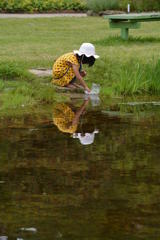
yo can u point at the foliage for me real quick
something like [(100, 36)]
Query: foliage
[(141, 5), (139, 78), (130, 78), (101, 5), (14, 6), (11, 71), (136, 5), (19, 88)]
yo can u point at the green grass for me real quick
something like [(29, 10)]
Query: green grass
[(124, 68)]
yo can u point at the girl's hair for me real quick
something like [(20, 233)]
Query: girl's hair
[(86, 60)]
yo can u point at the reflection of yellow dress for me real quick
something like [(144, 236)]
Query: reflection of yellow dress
[(63, 117), (62, 72)]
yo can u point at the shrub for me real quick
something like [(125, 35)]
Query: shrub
[(141, 5), (136, 5), (14, 6), (101, 5)]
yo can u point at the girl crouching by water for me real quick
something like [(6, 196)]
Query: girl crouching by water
[(68, 68)]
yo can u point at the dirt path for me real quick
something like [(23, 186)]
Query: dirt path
[(43, 15)]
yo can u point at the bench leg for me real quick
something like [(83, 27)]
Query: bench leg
[(124, 33)]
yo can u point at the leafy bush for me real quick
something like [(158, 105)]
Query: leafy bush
[(136, 5), (141, 5), (101, 5), (14, 6)]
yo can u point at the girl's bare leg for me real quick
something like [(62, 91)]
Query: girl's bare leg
[(78, 86)]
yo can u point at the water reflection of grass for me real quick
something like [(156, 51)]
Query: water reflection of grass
[(110, 188), (149, 112)]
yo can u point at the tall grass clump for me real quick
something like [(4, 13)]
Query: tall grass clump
[(132, 77), (102, 5), (138, 78), (12, 71), (154, 77)]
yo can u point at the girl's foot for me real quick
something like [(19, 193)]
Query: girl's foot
[(71, 86)]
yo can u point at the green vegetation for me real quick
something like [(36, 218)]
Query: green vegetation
[(19, 89), (124, 68), (101, 5), (141, 5), (14, 6), (136, 5), (130, 77)]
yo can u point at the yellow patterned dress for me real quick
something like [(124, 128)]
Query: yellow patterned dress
[(63, 117), (63, 72)]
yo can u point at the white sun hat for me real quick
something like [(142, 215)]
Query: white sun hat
[(87, 49), (87, 139)]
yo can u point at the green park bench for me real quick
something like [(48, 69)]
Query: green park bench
[(130, 21)]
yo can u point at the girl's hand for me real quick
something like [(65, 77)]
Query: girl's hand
[(87, 89), (83, 73)]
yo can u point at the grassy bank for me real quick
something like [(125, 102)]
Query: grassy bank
[(124, 68)]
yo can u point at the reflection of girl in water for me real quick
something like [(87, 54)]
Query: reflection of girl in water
[(86, 138), (66, 119)]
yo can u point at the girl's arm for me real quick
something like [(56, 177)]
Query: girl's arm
[(79, 77), (79, 112)]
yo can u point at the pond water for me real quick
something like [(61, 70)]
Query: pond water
[(81, 172)]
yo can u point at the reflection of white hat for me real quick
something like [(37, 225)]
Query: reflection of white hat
[(3, 237), (87, 49), (87, 139)]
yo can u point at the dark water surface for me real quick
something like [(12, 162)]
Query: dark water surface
[(82, 172)]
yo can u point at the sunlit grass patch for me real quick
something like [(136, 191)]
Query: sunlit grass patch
[(117, 40)]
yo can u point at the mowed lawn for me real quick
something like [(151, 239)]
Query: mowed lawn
[(37, 42)]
